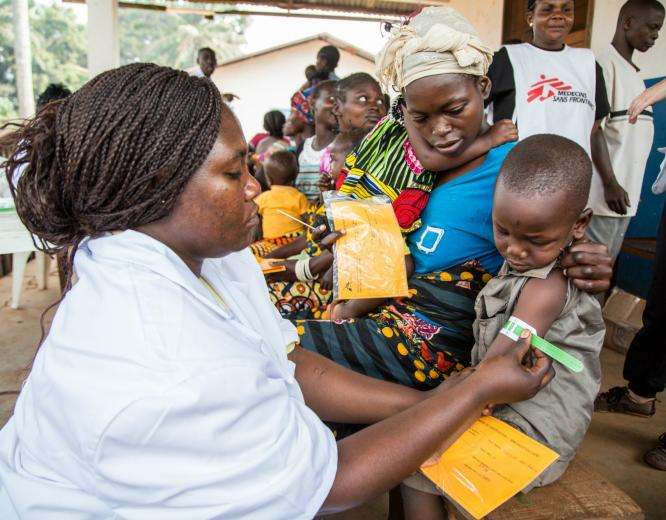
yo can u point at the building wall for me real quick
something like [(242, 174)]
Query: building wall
[(651, 63), (268, 81), (486, 16)]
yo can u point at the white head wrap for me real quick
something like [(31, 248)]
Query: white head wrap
[(439, 40)]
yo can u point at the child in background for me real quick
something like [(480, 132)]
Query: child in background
[(322, 102), (277, 229), (359, 103), (538, 210), (343, 144)]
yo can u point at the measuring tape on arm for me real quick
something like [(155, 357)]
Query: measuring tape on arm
[(515, 326)]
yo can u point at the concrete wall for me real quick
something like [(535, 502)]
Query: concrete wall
[(486, 16), (651, 63), (268, 81)]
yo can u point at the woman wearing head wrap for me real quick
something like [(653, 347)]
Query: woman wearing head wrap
[(438, 64)]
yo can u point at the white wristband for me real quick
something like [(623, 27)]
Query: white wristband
[(517, 321)]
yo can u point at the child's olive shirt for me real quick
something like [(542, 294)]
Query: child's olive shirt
[(560, 413)]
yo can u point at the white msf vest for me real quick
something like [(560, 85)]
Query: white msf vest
[(555, 92)]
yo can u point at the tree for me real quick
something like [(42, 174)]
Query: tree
[(173, 39), (59, 44)]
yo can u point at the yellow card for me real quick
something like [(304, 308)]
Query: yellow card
[(488, 465), (370, 257)]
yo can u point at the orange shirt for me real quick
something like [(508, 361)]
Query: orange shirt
[(284, 198)]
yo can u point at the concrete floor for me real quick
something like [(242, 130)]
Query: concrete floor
[(614, 445)]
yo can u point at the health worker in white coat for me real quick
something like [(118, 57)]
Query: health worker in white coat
[(168, 386)]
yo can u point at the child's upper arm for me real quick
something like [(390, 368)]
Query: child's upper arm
[(541, 301)]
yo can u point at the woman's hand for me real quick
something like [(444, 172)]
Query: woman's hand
[(647, 98), (509, 379), (326, 281), (589, 266)]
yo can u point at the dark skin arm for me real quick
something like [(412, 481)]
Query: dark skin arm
[(539, 304), (290, 249), (382, 455), (615, 195), (502, 132)]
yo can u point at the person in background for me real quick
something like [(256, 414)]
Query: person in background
[(52, 92), (548, 87), (645, 364), (322, 102), (274, 140), (359, 102), (300, 123), (277, 229), (541, 193), (638, 26), (207, 63), (327, 61)]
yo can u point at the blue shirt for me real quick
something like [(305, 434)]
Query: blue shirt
[(457, 223)]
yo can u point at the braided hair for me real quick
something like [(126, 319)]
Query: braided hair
[(114, 155)]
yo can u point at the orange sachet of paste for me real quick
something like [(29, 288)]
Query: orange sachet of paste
[(369, 259)]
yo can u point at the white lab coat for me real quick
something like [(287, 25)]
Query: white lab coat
[(149, 400)]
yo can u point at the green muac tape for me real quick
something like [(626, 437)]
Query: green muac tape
[(513, 330)]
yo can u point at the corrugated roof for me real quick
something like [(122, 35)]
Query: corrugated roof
[(379, 7)]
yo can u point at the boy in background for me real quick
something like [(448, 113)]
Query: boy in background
[(616, 201), (281, 169)]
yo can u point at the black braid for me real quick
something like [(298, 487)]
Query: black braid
[(114, 155)]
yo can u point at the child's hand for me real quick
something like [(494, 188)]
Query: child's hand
[(504, 131), (325, 237), (326, 281), (326, 182)]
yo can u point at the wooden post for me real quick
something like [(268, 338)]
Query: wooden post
[(103, 42)]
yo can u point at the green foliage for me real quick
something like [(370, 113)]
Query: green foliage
[(59, 44), (173, 39)]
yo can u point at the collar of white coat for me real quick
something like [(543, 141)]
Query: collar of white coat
[(139, 249)]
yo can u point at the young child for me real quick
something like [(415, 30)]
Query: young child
[(332, 174), (359, 102), (322, 102), (538, 210), (277, 229)]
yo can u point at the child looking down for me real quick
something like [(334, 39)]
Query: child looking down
[(281, 169), (538, 210)]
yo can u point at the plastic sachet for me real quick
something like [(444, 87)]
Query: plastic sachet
[(369, 259)]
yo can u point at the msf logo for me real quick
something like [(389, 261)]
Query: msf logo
[(546, 88)]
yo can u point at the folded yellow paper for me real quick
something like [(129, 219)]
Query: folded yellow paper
[(370, 257), (268, 265), (488, 465)]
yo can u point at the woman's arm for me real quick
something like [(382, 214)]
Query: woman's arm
[(649, 97), (616, 196), (501, 132), (382, 455)]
